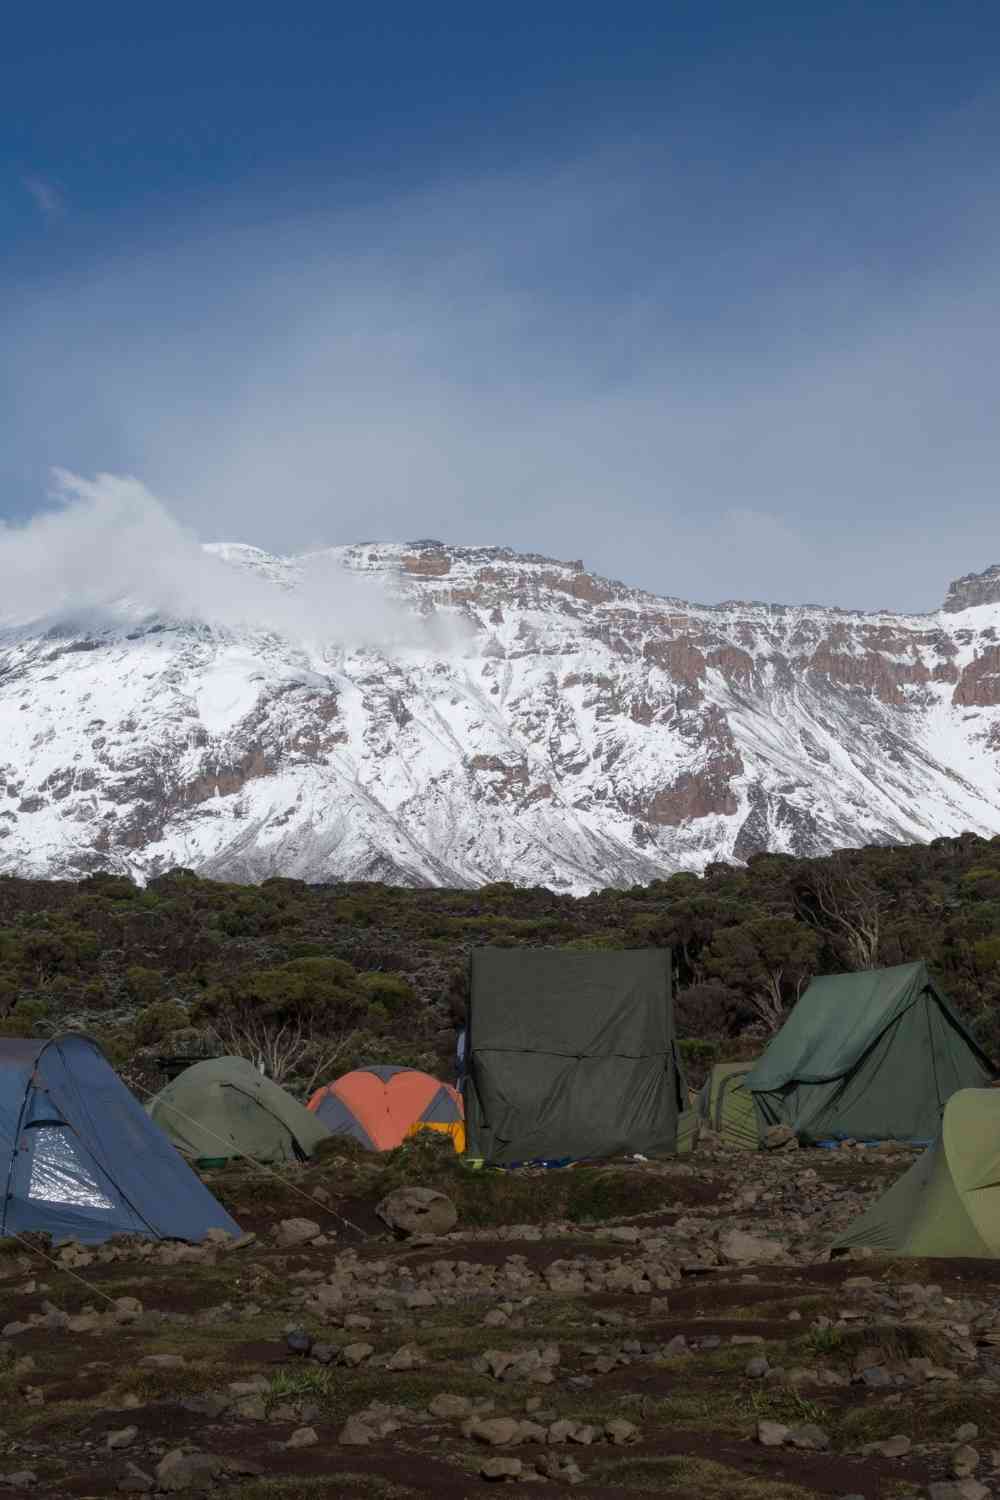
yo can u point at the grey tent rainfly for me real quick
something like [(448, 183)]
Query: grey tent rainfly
[(571, 1055), (81, 1159), (873, 1055)]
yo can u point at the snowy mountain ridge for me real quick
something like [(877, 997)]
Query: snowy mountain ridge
[(483, 714)]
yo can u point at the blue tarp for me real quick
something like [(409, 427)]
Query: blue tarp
[(80, 1158)]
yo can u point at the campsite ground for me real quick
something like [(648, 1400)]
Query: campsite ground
[(584, 1297)]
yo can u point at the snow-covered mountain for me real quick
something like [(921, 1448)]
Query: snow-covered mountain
[(522, 719)]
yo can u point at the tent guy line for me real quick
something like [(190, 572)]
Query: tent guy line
[(268, 1171)]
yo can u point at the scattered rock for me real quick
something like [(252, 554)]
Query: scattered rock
[(123, 1438), (447, 1405), (303, 1437), (771, 1434), (496, 1431), (356, 1432), (621, 1432), (501, 1468), (292, 1232), (963, 1462), (187, 1471)]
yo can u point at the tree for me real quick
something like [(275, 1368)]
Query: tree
[(767, 959), (846, 907), (281, 1049)]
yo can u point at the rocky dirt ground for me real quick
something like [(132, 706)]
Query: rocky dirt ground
[(702, 1344)]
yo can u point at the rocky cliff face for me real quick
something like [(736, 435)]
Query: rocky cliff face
[(539, 723)]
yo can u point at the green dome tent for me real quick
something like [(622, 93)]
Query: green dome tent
[(223, 1107), (726, 1105), (871, 1056), (948, 1203)]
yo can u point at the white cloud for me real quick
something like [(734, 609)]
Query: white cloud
[(108, 551)]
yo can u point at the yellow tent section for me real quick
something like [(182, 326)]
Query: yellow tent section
[(727, 1107), (948, 1203)]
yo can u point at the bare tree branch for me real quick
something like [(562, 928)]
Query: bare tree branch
[(281, 1051)]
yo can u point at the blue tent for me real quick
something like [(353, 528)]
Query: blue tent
[(80, 1158)]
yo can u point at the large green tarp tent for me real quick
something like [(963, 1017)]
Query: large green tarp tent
[(223, 1107), (948, 1203), (571, 1055), (726, 1105), (873, 1055)]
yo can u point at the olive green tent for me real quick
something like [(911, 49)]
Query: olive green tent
[(572, 1054), (726, 1105), (873, 1055), (223, 1107), (948, 1203)]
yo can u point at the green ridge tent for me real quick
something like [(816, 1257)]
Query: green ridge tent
[(873, 1055), (948, 1203), (726, 1105), (571, 1055), (223, 1107)]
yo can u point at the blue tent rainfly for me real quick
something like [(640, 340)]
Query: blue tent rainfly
[(80, 1158)]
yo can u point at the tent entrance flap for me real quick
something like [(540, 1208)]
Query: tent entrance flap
[(571, 1054)]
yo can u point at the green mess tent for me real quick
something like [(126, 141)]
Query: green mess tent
[(224, 1107), (572, 1055), (726, 1105), (873, 1055), (948, 1203)]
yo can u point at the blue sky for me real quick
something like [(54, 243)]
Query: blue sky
[(707, 293)]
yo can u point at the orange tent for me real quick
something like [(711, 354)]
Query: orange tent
[(381, 1105)]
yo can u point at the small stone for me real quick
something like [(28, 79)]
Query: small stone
[(447, 1405), (739, 1248), (187, 1471), (355, 1432), (559, 1432), (126, 1309), (621, 1432), (420, 1298), (876, 1377), (162, 1362), (963, 1462), (303, 1437), (123, 1438), (584, 1434), (894, 1447), (496, 1431), (967, 1433), (356, 1354), (757, 1368), (22, 1479), (771, 1434), (298, 1341), (292, 1232), (501, 1469)]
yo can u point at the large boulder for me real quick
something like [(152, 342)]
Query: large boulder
[(417, 1210)]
